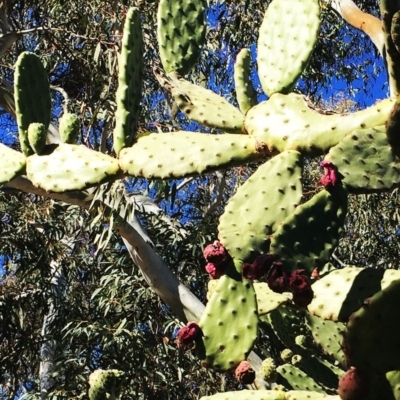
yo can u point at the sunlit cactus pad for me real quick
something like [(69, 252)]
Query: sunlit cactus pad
[(12, 164), (230, 322), (349, 286), (206, 107), (71, 167), (307, 238), (180, 154), (267, 299), (260, 205), (271, 395), (286, 122), (181, 33), (366, 161), (287, 37)]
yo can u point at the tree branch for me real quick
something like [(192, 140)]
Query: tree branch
[(365, 22)]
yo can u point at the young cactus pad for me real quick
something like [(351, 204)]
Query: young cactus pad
[(259, 206), (69, 128), (181, 33), (287, 37), (297, 379), (32, 96), (37, 133), (129, 93), (229, 322), (71, 167), (181, 154), (366, 161), (13, 164), (287, 123), (245, 93), (307, 238), (204, 106)]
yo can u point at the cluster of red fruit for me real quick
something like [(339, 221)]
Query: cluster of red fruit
[(278, 280)]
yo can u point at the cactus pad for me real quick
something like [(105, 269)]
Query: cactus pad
[(371, 340), (349, 287), (204, 106), (13, 164), (268, 300), (297, 379), (32, 96), (37, 133), (248, 395), (181, 33), (307, 238), (366, 161), (260, 205), (129, 93), (328, 335), (245, 93), (180, 154), (69, 128), (287, 123), (229, 322), (71, 167), (286, 40)]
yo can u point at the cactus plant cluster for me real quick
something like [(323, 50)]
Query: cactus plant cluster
[(270, 264)]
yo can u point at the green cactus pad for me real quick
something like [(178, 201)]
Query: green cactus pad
[(69, 128), (371, 338), (37, 133), (181, 33), (297, 379), (105, 384), (271, 395), (13, 164), (248, 395), (328, 335), (71, 167), (229, 323), (288, 123), (32, 96), (286, 40), (245, 93), (180, 154), (287, 323), (129, 92), (366, 161), (306, 395), (260, 205), (393, 127), (349, 287), (307, 238), (268, 300), (204, 106)]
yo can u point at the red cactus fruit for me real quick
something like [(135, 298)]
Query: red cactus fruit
[(277, 279), (215, 253), (303, 298), (331, 176), (216, 271), (354, 385), (244, 373), (187, 334), (301, 288)]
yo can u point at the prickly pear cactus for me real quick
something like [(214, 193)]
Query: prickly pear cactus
[(69, 128), (32, 96), (13, 164)]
